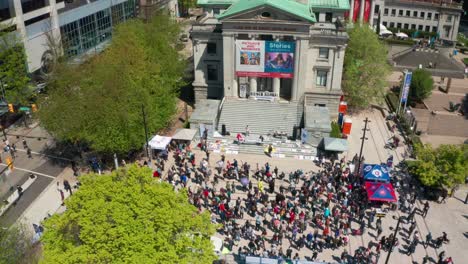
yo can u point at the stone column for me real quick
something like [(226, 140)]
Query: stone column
[(351, 12), (276, 81), (296, 70), (361, 11), (276, 86), (371, 17), (229, 51), (19, 19), (253, 84)]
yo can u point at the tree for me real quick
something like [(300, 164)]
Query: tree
[(16, 245), (421, 85), (100, 101), (365, 68), (446, 165), (14, 78), (128, 217)]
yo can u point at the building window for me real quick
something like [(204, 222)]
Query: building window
[(422, 15), (376, 9), (317, 16), (398, 25), (392, 24), (420, 27), (328, 17), (406, 26), (400, 12), (413, 26), (216, 11), (104, 25), (212, 72), (31, 5), (449, 18), (434, 29), (211, 48), (447, 31), (427, 29), (408, 13), (321, 78), (323, 53), (436, 16), (88, 32), (393, 12), (415, 13), (429, 16), (385, 12), (384, 23), (71, 39)]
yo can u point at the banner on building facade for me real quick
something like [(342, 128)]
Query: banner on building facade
[(257, 58), (406, 86)]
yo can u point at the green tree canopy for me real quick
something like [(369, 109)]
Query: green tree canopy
[(446, 165), (14, 78), (421, 84), (128, 217), (365, 68), (16, 245), (100, 101)]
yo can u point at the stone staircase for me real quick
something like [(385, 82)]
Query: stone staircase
[(262, 117), (282, 147)]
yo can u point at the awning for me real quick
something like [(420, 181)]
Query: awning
[(159, 142), (378, 191), (375, 172), (335, 144), (185, 134)]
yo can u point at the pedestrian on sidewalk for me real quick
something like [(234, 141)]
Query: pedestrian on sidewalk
[(25, 144), (62, 195), (20, 191), (428, 240), (28, 151), (67, 187), (426, 208)]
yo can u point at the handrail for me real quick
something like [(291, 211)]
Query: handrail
[(218, 114)]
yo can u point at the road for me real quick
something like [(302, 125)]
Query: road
[(46, 168)]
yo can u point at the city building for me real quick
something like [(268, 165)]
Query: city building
[(441, 16), (287, 52), (78, 27)]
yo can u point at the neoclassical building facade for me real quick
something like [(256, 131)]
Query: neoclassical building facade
[(270, 50)]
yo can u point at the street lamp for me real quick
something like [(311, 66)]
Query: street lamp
[(394, 237)]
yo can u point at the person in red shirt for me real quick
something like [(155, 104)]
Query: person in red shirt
[(156, 174)]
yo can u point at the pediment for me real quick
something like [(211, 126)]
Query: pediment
[(266, 13)]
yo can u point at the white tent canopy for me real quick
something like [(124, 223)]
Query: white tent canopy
[(385, 32), (401, 35), (185, 134), (159, 142)]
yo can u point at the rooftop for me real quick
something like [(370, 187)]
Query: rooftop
[(289, 6)]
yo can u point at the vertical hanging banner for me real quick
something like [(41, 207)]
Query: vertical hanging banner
[(406, 87), (357, 7), (367, 10), (273, 59)]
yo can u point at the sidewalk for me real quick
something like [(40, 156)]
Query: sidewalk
[(49, 201)]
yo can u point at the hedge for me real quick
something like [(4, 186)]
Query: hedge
[(335, 130), (410, 32), (392, 100), (407, 42), (465, 60)]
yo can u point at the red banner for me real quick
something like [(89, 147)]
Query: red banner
[(367, 10), (357, 7), (264, 74)]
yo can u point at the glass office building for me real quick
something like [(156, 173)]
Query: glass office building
[(89, 32)]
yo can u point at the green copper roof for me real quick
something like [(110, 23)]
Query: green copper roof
[(331, 4), (289, 6)]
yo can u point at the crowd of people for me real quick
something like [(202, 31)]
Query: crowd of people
[(269, 213)]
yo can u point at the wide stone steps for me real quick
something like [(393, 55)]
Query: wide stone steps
[(261, 117), (282, 148)]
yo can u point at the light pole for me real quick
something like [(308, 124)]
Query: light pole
[(362, 144), (394, 238), (146, 133)]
